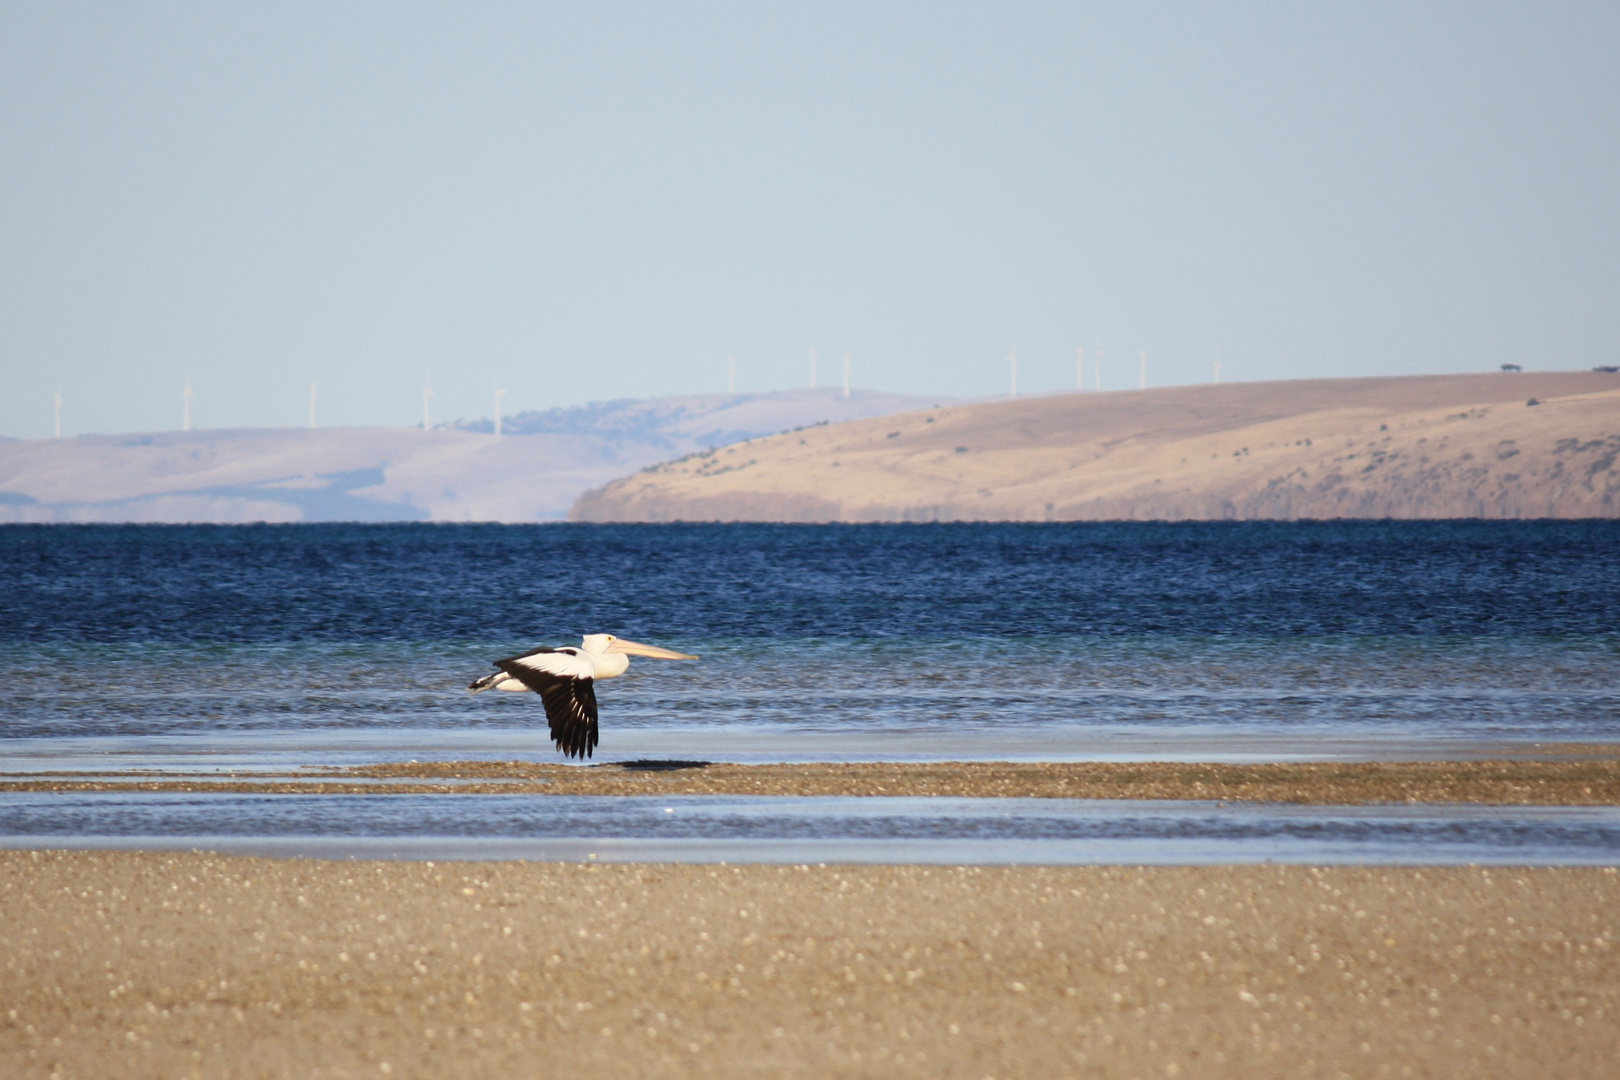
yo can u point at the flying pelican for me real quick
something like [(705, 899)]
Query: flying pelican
[(564, 678)]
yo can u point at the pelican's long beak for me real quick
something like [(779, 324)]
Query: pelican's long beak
[(631, 648)]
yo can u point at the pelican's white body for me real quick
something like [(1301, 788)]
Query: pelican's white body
[(591, 660), (599, 656)]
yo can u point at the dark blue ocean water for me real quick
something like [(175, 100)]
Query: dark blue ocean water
[(1242, 639), (431, 583)]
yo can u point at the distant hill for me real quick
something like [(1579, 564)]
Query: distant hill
[(701, 421), (1495, 446), (533, 472)]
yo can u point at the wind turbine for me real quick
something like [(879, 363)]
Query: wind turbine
[(185, 406), (427, 393), (812, 369), (1098, 366), (498, 395), (1217, 367)]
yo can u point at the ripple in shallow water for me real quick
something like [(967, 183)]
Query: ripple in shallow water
[(756, 829)]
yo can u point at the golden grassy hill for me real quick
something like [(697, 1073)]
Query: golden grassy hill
[(1434, 446)]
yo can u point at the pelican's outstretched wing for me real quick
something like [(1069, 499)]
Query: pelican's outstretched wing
[(565, 682)]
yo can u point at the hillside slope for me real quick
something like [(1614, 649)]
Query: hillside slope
[(1411, 447), (391, 474)]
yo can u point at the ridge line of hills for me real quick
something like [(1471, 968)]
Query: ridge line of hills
[(533, 472), (1500, 445), (1517, 445)]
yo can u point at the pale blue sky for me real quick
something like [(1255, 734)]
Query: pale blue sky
[(579, 204)]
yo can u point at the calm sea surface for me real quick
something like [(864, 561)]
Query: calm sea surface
[(200, 647), (986, 640)]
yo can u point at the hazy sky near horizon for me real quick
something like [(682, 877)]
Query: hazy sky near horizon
[(578, 202)]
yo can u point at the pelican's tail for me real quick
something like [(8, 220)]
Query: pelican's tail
[(486, 682)]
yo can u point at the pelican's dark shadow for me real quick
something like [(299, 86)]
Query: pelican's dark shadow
[(650, 765)]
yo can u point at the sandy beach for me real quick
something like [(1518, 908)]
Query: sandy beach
[(149, 964)]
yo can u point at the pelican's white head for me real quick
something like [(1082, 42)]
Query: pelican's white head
[(603, 644)]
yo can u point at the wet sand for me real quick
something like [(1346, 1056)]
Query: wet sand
[(149, 964), (1592, 780)]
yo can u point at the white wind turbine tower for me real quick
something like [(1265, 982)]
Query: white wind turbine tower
[(185, 405), (1143, 355), (1080, 369), (58, 404), (313, 388), (498, 395), (812, 369), (731, 374), (1012, 364), (427, 394), (1217, 367), (1097, 364), (846, 373)]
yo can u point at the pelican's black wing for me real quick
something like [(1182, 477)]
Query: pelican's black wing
[(565, 682)]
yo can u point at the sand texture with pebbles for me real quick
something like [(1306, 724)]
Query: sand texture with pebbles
[(147, 964)]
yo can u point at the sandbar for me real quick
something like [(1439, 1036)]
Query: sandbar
[(1591, 779)]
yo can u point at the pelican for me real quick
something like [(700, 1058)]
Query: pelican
[(565, 680)]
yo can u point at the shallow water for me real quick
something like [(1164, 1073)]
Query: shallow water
[(799, 829)]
